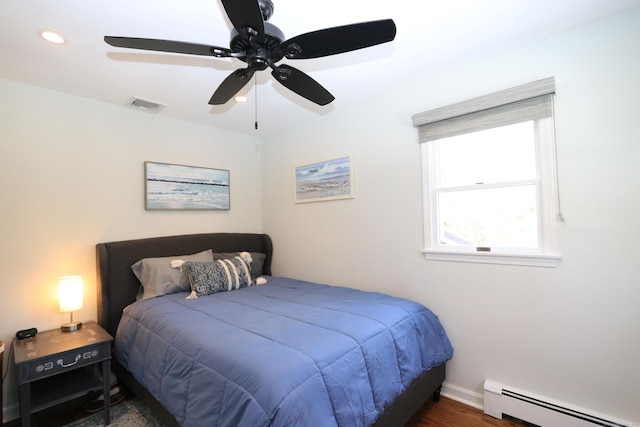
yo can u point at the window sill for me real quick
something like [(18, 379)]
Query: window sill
[(494, 258)]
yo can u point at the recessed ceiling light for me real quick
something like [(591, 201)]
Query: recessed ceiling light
[(52, 37), (241, 98)]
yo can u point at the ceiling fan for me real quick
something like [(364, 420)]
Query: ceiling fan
[(261, 45)]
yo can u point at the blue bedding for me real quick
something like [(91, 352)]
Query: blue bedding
[(286, 353)]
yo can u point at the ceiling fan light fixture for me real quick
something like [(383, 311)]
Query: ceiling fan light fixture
[(52, 37)]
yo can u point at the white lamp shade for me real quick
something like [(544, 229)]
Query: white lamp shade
[(70, 293)]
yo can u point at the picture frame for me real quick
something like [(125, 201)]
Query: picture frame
[(179, 187), (330, 179)]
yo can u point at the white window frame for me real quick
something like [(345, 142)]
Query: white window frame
[(546, 255)]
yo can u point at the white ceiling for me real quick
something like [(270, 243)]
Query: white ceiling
[(430, 34)]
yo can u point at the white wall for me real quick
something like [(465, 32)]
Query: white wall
[(571, 333), (71, 175)]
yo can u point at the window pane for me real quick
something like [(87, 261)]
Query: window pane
[(500, 154), (492, 217)]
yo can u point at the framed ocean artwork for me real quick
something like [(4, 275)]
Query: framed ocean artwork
[(324, 180), (178, 187)]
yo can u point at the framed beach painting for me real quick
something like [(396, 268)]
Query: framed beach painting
[(178, 187), (325, 180)]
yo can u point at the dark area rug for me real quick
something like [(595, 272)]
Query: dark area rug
[(129, 413)]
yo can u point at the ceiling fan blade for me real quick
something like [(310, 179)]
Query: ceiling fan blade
[(300, 83), (243, 14), (168, 46), (332, 41), (231, 85)]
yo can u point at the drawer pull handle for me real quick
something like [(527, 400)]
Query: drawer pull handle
[(61, 363)]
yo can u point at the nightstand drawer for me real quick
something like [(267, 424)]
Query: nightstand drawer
[(66, 361), (53, 352)]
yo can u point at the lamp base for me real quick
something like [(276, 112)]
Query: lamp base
[(71, 326)]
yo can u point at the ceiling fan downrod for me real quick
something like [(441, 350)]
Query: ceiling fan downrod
[(266, 7)]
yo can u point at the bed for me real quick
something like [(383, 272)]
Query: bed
[(283, 353)]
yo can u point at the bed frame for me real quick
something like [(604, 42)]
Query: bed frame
[(118, 287)]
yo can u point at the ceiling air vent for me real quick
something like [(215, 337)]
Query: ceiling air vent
[(145, 105)]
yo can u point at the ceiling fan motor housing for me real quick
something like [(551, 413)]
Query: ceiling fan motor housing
[(259, 53)]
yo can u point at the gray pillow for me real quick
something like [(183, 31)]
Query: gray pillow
[(157, 277)]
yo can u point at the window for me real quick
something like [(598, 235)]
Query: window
[(490, 192)]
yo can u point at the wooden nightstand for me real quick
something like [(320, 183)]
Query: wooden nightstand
[(55, 366)]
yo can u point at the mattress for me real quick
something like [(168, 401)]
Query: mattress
[(286, 353)]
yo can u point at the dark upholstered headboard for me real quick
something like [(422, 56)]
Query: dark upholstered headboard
[(118, 286)]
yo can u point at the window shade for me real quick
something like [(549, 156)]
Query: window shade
[(521, 103)]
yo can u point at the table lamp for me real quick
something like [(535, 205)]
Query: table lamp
[(70, 298)]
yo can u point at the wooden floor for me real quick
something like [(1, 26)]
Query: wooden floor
[(450, 413)]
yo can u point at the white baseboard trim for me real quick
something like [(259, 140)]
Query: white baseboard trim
[(463, 395)]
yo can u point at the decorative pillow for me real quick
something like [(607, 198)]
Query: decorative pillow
[(218, 276), (256, 263), (159, 277)]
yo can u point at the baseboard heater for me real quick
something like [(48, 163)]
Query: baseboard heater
[(502, 400)]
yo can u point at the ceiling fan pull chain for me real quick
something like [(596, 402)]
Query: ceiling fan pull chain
[(255, 86)]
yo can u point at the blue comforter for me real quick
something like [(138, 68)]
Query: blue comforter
[(287, 353)]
